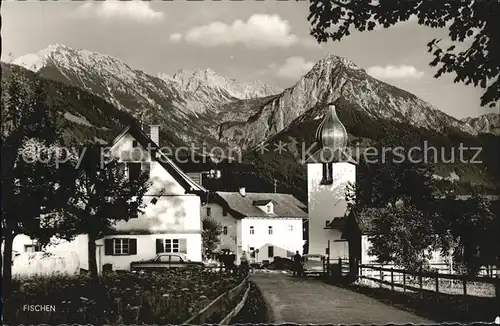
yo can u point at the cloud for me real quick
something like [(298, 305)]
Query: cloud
[(294, 68), (259, 31), (395, 72), (176, 37), (135, 10)]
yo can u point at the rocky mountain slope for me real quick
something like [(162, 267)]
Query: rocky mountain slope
[(204, 108), (84, 117), (175, 103), (486, 123), (331, 79)]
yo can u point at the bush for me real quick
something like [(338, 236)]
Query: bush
[(126, 298), (280, 263)]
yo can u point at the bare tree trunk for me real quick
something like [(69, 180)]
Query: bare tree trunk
[(92, 256), (7, 262)]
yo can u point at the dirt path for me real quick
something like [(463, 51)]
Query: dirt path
[(310, 301)]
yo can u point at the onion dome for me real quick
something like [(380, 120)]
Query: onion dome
[(331, 134)]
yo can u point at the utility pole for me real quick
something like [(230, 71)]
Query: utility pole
[(275, 183)]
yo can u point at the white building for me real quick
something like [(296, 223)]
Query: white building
[(171, 221), (264, 225)]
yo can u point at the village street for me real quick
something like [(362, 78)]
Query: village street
[(311, 301)]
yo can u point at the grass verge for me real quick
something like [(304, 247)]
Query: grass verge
[(255, 310), (436, 306)]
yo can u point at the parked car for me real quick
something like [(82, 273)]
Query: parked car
[(314, 264), (165, 261)]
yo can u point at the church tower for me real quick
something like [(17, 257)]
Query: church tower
[(329, 171)]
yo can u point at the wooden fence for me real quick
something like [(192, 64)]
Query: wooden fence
[(400, 279), (220, 305)]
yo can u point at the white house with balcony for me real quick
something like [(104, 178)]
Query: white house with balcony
[(171, 221), (264, 225)]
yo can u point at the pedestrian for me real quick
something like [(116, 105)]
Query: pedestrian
[(297, 264), (244, 267)]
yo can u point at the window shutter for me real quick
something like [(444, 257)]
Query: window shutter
[(160, 247), (134, 169), (183, 246), (108, 247), (132, 246)]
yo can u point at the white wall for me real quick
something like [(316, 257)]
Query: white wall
[(326, 202), (146, 248), (174, 211), (282, 239), (228, 241), (79, 245)]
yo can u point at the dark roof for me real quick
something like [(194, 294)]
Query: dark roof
[(187, 183), (263, 202), (337, 223), (286, 205), (325, 155)]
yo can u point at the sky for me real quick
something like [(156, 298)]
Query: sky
[(247, 40)]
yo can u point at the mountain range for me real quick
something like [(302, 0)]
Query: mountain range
[(201, 107)]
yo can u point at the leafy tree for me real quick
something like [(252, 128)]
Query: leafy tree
[(410, 220), (476, 21), (31, 186), (103, 195), (210, 236), (404, 237), (473, 226), (403, 215)]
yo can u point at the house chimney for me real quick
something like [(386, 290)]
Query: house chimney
[(242, 191), (154, 134)]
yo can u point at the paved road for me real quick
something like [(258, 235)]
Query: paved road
[(310, 301)]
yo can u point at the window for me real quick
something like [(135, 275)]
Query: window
[(270, 230), (120, 246), (269, 208), (146, 167), (172, 245), (134, 143), (252, 252), (134, 170), (252, 231), (165, 258), (224, 230), (175, 259), (224, 211), (209, 211), (327, 223), (290, 228), (32, 248), (270, 251), (327, 174)]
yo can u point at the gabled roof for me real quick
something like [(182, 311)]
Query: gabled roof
[(337, 223), (187, 183), (263, 202), (285, 205)]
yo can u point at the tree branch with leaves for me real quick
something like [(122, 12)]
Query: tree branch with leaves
[(103, 194), (474, 23)]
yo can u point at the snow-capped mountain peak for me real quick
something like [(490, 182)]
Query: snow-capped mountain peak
[(194, 79)]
